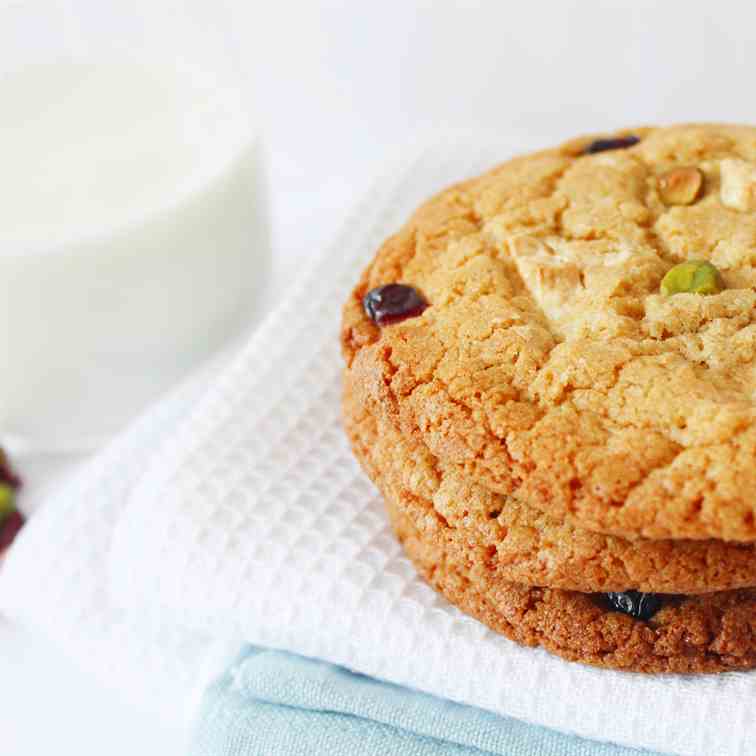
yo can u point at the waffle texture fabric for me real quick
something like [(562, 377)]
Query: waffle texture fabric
[(239, 515)]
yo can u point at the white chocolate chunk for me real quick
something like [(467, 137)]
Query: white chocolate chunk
[(552, 279), (738, 189)]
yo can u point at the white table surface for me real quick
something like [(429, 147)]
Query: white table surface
[(337, 86)]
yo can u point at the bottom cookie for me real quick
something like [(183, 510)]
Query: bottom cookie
[(705, 633), (690, 634)]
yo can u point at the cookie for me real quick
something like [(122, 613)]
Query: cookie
[(549, 364), (714, 632), (520, 544)]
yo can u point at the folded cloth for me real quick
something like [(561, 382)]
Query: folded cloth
[(55, 579), (270, 703), (238, 515)]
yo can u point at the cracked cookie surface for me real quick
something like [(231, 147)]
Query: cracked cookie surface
[(518, 543), (706, 633), (690, 634), (549, 368)]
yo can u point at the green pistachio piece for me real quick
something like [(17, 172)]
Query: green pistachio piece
[(693, 277), (7, 501)]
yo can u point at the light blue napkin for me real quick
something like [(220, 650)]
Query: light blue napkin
[(270, 703)]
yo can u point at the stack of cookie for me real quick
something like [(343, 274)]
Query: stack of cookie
[(551, 378)]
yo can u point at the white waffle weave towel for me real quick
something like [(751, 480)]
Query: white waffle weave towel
[(238, 514)]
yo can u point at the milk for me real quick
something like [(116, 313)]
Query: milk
[(132, 241)]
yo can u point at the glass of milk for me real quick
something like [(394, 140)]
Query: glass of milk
[(133, 223)]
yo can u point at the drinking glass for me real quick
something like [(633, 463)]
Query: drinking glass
[(133, 214)]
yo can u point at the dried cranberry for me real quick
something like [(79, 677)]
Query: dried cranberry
[(9, 528), (618, 143), (392, 303), (642, 606)]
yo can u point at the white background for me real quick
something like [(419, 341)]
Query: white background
[(337, 87)]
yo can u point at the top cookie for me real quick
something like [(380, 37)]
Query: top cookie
[(549, 366)]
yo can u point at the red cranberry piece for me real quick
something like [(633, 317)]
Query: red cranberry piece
[(392, 303), (9, 528), (618, 143)]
